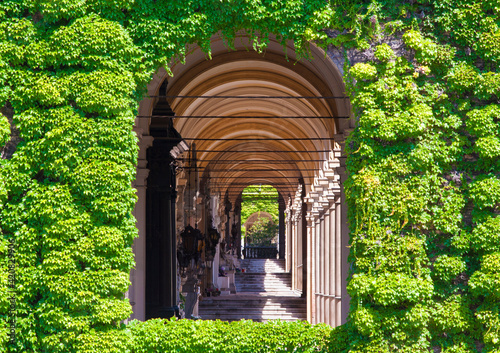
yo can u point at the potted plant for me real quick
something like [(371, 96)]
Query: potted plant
[(212, 291)]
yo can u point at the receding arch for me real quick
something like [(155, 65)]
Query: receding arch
[(291, 144)]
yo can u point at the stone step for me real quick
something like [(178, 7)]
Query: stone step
[(256, 309), (263, 265), (275, 302), (263, 293), (258, 290), (265, 283), (260, 278), (281, 289), (253, 308), (267, 274), (249, 282), (224, 316), (286, 282)]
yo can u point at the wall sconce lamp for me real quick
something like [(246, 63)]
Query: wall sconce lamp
[(190, 248)]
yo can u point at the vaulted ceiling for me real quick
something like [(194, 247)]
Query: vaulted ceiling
[(274, 141)]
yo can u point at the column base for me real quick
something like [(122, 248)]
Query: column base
[(168, 312)]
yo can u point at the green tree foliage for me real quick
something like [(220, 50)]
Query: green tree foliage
[(263, 232), (73, 72)]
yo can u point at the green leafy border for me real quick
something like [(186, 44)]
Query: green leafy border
[(423, 189)]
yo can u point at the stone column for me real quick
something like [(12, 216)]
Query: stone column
[(318, 265), (289, 237), (227, 211), (311, 269), (237, 211), (161, 195), (137, 290), (303, 236), (161, 233), (294, 253), (321, 269), (300, 256), (326, 267), (338, 264), (281, 231), (332, 265)]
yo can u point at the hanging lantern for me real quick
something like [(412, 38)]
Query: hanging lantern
[(192, 244), (212, 240)]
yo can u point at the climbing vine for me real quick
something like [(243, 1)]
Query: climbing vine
[(424, 167), (255, 198), (424, 176)]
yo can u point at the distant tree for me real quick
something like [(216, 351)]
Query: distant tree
[(263, 232)]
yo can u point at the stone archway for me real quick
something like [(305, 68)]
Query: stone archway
[(299, 155), (254, 217)]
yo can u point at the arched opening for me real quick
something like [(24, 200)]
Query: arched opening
[(261, 221), (251, 118)]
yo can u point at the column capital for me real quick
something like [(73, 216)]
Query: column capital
[(342, 172), (145, 141), (141, 179), (310, 218)]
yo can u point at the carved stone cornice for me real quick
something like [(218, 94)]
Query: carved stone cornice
[(326, 188)]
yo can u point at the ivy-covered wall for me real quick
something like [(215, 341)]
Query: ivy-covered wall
[(255, 198), (423, 188), (424, 167)]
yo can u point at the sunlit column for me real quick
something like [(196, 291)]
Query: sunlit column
[(326, 267), (318, 264), (294, 253), (288, 242), (322, 269), (333, 272), (338, 263), (311, 269)]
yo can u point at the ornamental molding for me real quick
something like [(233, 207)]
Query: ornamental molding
[(326, 189)]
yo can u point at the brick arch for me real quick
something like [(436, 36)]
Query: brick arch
[(255, 216)]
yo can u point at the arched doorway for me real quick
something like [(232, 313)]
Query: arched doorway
[(259, 118)]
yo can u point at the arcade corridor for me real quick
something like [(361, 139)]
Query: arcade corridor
[(219, 125)]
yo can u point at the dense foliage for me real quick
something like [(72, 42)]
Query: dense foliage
[(223, 337), (424, 179), (423, 190), (73, 72), (262, 233), (259, 198)]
